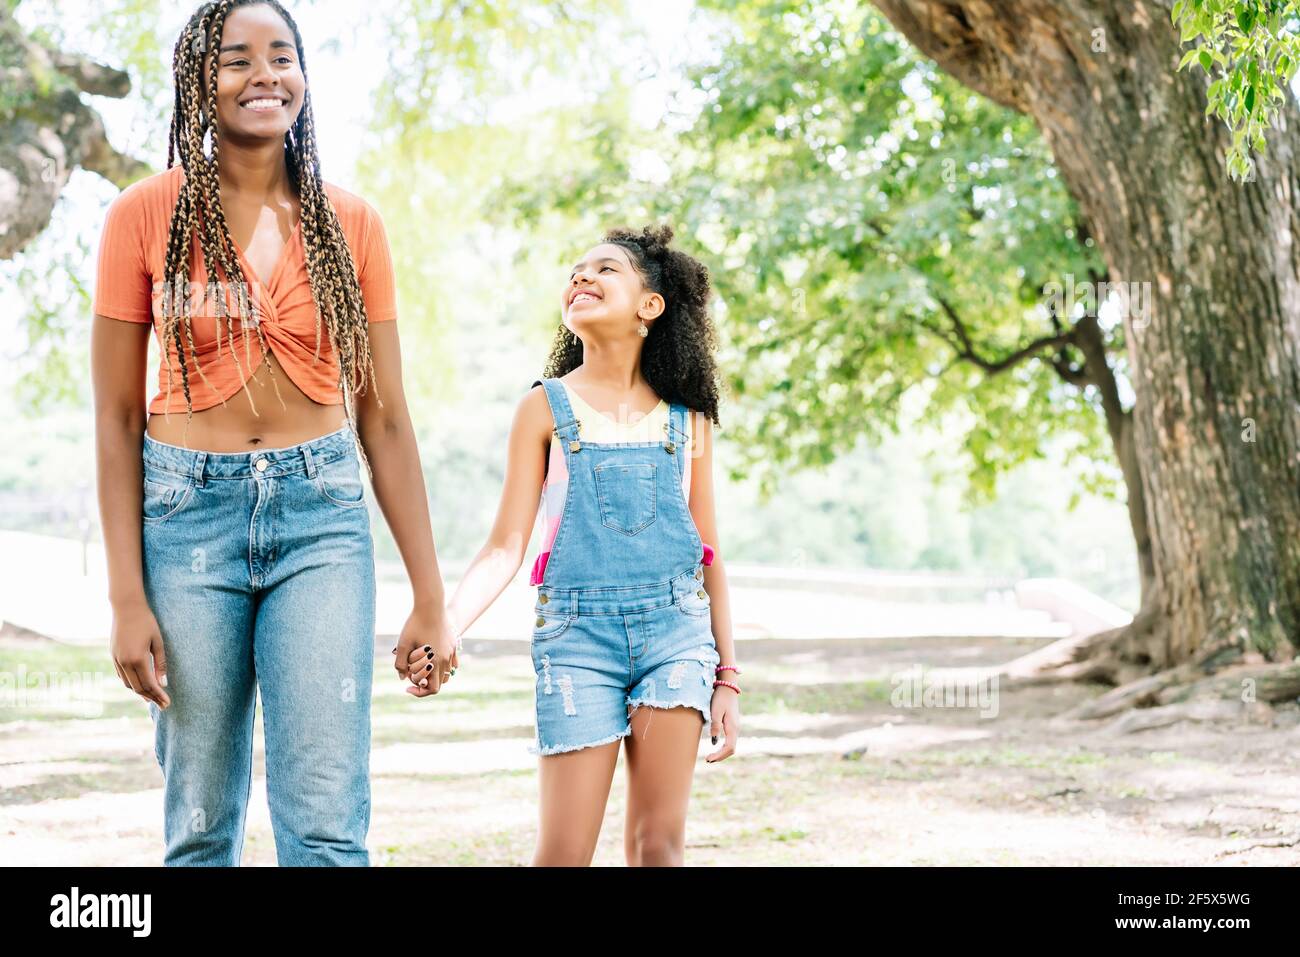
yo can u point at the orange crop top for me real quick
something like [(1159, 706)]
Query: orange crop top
[(128, 286)]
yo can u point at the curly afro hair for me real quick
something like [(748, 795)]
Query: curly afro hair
[(677, 356)]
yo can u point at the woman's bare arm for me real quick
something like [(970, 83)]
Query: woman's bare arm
[(119, 355), (389, 440), (388, 437), (498, 561)]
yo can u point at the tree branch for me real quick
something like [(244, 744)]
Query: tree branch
[(941, 31), (53, 133), (91, 77), (965, 348)]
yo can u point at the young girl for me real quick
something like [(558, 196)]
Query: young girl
[(631, 630), (236, 531)]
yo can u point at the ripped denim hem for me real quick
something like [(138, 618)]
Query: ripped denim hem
[(562, 748), (650, 703)]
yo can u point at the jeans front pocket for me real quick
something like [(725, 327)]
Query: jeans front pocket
[(164, 494), (339, 482), (628, 496)]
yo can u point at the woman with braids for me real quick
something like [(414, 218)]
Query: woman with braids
[(631, 632), (237, 533)]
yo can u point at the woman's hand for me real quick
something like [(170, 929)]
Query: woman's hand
[(427, 651), (137, 650), (726, 721)]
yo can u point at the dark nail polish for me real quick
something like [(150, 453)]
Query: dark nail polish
[(428, 667), (428, 647), (714, 739), (430, 656)]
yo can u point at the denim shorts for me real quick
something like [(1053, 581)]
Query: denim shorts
[(601, 652)]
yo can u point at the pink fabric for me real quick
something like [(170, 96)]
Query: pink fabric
[(539, 569)]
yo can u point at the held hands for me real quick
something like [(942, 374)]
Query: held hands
[(428, 653)]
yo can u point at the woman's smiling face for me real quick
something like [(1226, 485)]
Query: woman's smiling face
[(605, 287), (260, 83)]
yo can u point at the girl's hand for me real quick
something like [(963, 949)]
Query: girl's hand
[(427, 651), (726, 721)]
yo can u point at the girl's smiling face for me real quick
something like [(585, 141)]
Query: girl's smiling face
[(605, 288), (260, 83)]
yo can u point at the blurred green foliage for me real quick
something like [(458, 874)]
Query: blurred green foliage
[(839, 190)]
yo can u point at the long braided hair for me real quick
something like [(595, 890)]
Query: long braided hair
[(677, 355), (330, 268)]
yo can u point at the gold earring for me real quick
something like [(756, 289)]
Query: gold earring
[(643, 330)]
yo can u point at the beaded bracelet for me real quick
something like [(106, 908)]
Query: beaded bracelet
[(727, 684), (721, 668)]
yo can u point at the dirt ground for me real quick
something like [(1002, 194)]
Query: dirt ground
[(829, 770)]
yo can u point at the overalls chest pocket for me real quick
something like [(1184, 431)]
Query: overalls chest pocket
[(628, 496)]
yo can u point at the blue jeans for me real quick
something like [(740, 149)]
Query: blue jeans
[(259, 567)]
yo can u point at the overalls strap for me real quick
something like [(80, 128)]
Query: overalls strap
[(678, 437), (566, 424)]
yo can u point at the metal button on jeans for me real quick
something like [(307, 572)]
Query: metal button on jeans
[(699, 574), (543, 598), (540, 622), (701, 593), (260, 465)]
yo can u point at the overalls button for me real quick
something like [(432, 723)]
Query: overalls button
[(540, 622), (260, 465), (699, 574), (543, 599), (702, 593)]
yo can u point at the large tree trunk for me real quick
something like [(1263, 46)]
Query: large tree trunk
[(1216, 362), (46, 131)]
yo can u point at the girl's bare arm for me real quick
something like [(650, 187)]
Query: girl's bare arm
[(702, 510), (498, 561)]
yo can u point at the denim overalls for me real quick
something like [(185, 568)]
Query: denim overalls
[(622, 617)]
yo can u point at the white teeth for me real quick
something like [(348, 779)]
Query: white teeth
[(581, 295), (263, 104)]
